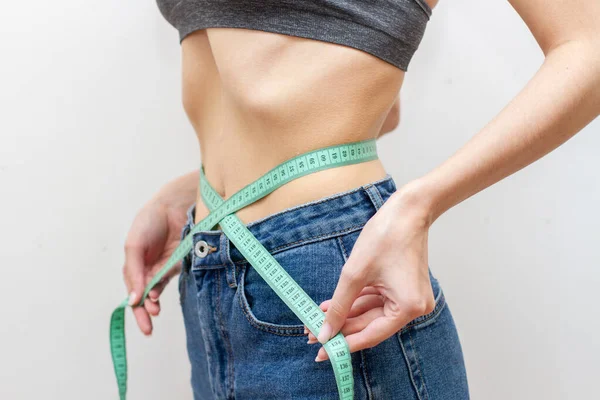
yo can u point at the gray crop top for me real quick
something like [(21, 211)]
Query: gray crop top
[(388, 29)]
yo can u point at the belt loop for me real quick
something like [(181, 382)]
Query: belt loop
[(374, 195), (230, 272)]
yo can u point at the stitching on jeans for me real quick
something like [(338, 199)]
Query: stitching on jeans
[(311, 203), (229, 263), (377, 202), (218, 308), (344, 253), (323, 236), (378, 194), (386, 179), (308, 241), (224, 334), (425, 394), (368, 192), (202, 327), (228, 245), (408, 366), (212, 266), (223, 253), (363, 364), (366, 377), (256, 323)]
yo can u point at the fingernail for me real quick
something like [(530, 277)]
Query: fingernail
[(305, 331), (318, 358), (311, 341), (325, 333), (132, 299)]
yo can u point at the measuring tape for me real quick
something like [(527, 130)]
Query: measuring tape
[(222, 212)]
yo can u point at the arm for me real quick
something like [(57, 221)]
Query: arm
[(389, 259), (562, 97), (153, 236), (180, 193)]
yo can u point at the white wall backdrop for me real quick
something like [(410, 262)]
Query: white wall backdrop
[(91, 124)]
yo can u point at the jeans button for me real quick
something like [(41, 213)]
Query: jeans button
[(201, 249)]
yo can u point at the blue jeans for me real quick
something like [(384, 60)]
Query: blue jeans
[(245, 344)]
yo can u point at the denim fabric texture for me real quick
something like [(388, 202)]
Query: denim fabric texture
[(245, 344)]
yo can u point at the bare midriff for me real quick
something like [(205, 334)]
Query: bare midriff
[(256, 99)]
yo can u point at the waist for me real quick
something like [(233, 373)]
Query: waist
[(303, 190), (340, 213)]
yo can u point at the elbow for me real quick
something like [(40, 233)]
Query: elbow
[(582, 57), (592, 56)]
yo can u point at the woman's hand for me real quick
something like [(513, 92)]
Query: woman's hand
[(385, 282), (154, 235)]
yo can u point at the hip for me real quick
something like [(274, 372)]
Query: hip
[(245, 343)]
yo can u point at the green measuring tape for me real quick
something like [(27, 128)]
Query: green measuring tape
[(222, 212)]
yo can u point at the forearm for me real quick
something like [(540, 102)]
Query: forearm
[(562, 97), (179, 192)]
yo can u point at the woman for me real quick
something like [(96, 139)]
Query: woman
[(265, 81)]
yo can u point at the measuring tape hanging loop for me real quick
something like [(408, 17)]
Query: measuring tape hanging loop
[(222, 212)]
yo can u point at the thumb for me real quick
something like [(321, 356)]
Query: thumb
[(134, 265), (352, 281)]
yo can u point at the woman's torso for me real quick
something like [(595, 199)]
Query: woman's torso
[(256, 99)]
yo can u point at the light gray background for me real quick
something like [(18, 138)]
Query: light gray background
[(91, 124)]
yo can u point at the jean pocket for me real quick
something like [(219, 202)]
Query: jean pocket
[(314, 266), (285, 325), (429, 318)]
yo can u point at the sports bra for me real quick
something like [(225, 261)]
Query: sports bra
[(388, 29)]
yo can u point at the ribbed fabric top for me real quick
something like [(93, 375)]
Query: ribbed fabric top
[(389, 29)]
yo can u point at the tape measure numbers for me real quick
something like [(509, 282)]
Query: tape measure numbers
[(222, 213)]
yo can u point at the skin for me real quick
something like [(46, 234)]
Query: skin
[(274, 99)]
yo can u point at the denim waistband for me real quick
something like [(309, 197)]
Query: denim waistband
[(342, 212)]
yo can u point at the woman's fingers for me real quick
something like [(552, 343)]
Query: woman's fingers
[(156, 291), (153, 307), (143, 320), (135, 280), (133, 272), (352, 281), (361, 304), (378, 330), (369, 290), (368, 298), (356, 324)]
